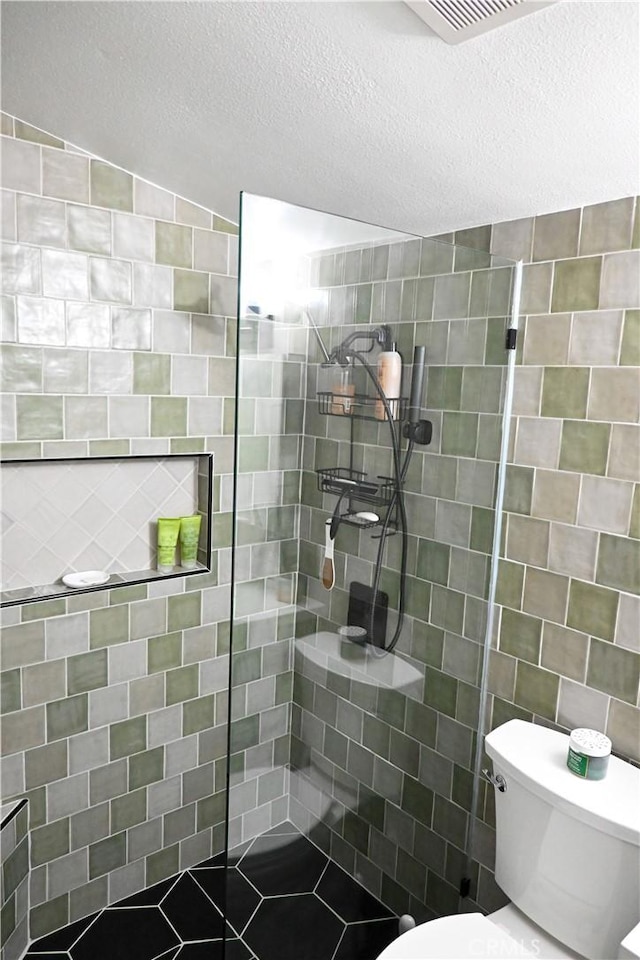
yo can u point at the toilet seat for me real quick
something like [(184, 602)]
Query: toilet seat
[(462, 935)]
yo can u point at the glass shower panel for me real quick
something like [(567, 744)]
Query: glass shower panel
[(355, 682)]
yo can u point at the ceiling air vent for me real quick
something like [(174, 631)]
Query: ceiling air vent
[(459, 20)]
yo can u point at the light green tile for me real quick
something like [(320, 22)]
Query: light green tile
[(168, 416), (198, 715), (49, 842), (151, 373), (107, 855), (520, 635), (630, 350), (10, 691), (556, 235), (489, 436), (618, 563), (39, 418), (174, 244), (164, 653), (482, 523), (576, 285), (545, 594), (592, 609), (436, 257), (607, 226), (245, 733), (20, 451), (433, 561), (49, 916), (253, 454), (128, 810), (128, 594), (110, 186), (162, 864), (182, 684), (444, 388), (88, 671), (24, 131), (510, 584), (222, 378), (584, 446), (187, 445), (127, 737), (459, 434), (191, 291), (536, 288), (223, 226), (146, 767), (482, 389), (518, 489), (447, 609), (564, 651), (614, 670), (440, 691), (184, 610), (537, 690), (564, 392), (44, 609), (66, 717), (109, 448), (108, 626)]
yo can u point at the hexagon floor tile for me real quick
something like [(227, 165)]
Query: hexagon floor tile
[(285, 900)]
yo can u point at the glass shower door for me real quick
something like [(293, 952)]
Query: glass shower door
[(360, 569)]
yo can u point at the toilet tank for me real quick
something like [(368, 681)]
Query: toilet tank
[(567, 849)]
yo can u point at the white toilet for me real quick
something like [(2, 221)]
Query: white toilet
[(567, 854)]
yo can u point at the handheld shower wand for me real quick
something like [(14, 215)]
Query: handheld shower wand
[(417, 379), (415, 429)]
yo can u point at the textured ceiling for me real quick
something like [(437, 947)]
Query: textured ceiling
[(356, 108)]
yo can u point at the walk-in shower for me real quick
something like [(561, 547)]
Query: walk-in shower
[(356, 687)]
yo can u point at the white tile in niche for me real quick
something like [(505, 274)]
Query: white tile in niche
[(89, 515)]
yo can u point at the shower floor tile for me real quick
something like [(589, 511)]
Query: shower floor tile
[(285, 900)]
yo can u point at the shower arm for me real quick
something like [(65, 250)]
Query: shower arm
[(343, 353)]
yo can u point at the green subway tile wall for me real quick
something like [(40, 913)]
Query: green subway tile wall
[(567, 640), (114, 703)]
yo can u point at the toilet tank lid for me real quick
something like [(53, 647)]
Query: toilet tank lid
[(537, 758)]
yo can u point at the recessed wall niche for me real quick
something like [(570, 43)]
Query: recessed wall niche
[(61, 516)]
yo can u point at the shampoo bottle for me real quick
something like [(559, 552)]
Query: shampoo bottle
[(390, 376)]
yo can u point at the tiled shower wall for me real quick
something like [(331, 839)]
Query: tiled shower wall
[(567, 635), (119, 338), (398, 768)]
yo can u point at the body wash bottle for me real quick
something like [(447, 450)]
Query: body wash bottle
[(189, 536), (168, 528), (390, 377)]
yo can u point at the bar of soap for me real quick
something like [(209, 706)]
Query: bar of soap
[(85, 578)]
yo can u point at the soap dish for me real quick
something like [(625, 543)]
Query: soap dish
[(86, 578)]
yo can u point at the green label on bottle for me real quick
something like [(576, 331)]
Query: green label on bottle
[(578, 763)]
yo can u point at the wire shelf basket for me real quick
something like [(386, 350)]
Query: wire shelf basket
[(360, 406), (355, 485)]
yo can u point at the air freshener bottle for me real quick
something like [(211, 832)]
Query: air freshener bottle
[(589, 753)]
